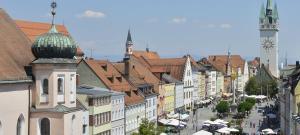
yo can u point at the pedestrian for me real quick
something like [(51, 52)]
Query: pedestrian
[(250, 124)]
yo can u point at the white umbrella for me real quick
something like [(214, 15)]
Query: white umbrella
[(202, 132), (163, 134), (221, 121), (233, 130), (207, 125), (208, 122), (224, 130), (268, 131), (184, 116), (163, 121)]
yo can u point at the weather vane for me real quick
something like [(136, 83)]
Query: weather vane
[(53, 6)]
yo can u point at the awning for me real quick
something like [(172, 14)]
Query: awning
[(203, 132)]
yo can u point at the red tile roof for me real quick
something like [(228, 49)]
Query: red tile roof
[(174, 66), (114, 80), (219, 62), (109, 75), (139, 73), (146, 54), (15, 52), (34, 29)]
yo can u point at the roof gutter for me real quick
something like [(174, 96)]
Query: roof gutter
[(14, 81)]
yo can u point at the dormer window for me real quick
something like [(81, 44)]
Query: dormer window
[(119, 79), (111, 79), (60, 85), (104, 67), (45, 87)]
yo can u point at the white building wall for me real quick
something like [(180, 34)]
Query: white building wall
[(134, 115), (151, 108), (14, 103), (196, 76), (211, 83), (118, 115), (188, 86), (179, 101)]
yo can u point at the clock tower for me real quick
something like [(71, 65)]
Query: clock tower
[(269, 27)]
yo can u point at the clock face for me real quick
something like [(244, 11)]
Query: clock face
[(268, 43)]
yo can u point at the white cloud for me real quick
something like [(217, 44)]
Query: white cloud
[(179, 20), (91, 14), (225, 26)]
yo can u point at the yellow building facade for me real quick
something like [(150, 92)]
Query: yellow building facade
[(169, 103)]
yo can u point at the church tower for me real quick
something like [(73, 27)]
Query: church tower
[(269, 27), (129, 45), (54, 110)]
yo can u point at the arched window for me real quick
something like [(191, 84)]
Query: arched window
[(21, 125), (60, 85), (45, 126), (45, 86)]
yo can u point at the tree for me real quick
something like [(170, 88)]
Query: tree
[(252, 101), (252, 87), (242, 107), (149, 128), (273, 90), (222, 107)]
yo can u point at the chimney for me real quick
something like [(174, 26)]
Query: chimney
[(127, 68), (297, 65), (77, 79)]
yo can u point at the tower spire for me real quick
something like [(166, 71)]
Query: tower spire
[(262, 12), (129, 36), (129, 45), (53, 12), (269, 5), (275, 12)]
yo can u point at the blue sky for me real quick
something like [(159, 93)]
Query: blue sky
[(170, 27)]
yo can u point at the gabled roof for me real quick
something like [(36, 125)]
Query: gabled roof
[(15, 52), (255, 62), (34, 29), (109, 75), (139, 74), (146, 54), (220, 61), (174, 66), (98, 67)]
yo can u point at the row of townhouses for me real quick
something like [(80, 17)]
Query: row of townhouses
[(55, 90)]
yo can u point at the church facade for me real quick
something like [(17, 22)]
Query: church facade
[(38, 83)]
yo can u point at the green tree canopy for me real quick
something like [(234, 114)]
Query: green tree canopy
[(222, 107), (149, 128), (252, 101), (252, 86)]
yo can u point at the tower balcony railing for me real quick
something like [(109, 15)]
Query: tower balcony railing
[(270, 26)]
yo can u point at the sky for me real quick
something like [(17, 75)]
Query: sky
[(173, 28)]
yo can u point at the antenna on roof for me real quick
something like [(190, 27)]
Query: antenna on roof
[(91, 53), (286, 60), (53, 11)]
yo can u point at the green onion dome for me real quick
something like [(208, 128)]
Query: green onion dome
[(54, 45)]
